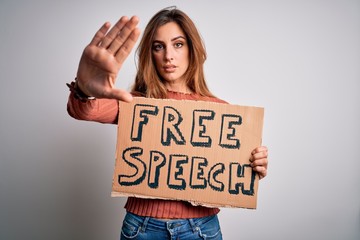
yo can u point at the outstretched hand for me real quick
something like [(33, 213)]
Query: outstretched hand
[(103, 57)]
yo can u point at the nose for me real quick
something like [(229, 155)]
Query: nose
[(169, 54)]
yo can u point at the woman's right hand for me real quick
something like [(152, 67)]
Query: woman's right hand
[(103, 57)]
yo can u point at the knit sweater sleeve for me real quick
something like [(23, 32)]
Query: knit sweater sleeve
[(98, 110)]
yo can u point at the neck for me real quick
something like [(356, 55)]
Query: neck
[(177, 87)]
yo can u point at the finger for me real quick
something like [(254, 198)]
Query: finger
[(112, 34), (123, 35), (259, 155), (119, 94), (126, 48), (259, 152), (259, 149), (99, 35), (260, 162), (262, 172)]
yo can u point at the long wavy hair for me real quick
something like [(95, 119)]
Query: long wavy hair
[(148, 82)]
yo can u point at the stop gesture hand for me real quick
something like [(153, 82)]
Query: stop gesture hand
[(103, 57)]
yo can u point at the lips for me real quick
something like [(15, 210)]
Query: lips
[(169, 68)]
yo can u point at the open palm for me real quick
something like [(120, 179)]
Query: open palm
[(103, 57)]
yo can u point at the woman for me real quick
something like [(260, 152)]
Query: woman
[(170, 65)]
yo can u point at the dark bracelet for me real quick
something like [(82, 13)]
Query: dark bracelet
[(78, 94)]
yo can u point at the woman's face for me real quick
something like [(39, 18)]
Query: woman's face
[(171, 53)]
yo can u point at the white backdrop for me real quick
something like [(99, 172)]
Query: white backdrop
[(300, 59)]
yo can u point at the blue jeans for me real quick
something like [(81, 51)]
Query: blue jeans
[(137, 227)]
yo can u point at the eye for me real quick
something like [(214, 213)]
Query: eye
[(179, 44), (157, 47)]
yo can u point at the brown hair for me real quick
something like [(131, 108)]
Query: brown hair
[(148, 83)]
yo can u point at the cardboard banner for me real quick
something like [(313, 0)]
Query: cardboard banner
[(194, 151)]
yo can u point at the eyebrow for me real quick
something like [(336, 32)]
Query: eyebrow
[(173, 39)]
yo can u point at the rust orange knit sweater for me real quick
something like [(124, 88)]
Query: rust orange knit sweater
[(106, 111)]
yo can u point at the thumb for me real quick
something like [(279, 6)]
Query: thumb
[(120, 94)]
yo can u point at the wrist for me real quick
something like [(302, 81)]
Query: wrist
[(78, 93), (79, 86)]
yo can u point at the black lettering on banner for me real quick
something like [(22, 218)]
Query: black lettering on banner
[(215, 170), (141, 111), (130, 156), (227, 140), (174, 180), (157, 160), (198, 137), (170, 127), (235, 179), (197, 180)]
